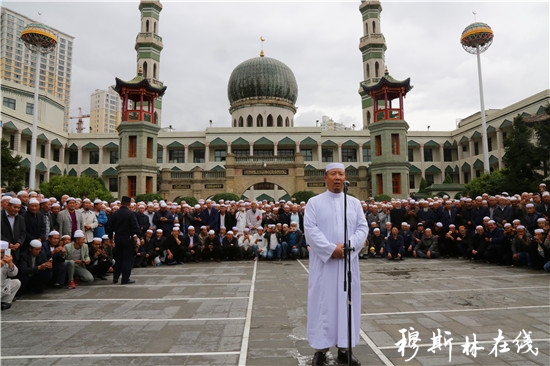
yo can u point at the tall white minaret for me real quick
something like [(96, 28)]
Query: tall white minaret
[(372, 46)]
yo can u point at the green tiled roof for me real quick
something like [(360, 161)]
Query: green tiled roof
[(263, 142), (287, 141), (308, 141), (350, 143), (41, 167), (90, 172), (111, 172), (329, 143), (55, 170)]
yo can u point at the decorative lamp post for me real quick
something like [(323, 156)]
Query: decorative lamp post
[(41, 40), (475, 39)]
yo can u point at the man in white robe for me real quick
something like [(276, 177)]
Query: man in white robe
[(327, 323)]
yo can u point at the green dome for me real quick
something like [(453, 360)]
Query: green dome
[(262, 77)]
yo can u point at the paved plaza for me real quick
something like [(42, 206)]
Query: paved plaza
[(254, 313)]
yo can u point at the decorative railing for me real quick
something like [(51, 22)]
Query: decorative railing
[(253, 160), (213, 175), (181, 175)]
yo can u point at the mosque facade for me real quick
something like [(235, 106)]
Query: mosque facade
[(261, 155)]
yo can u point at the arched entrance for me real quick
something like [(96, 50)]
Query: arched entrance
[(265, 191)]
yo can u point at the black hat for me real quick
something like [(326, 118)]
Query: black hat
[(126, 200)]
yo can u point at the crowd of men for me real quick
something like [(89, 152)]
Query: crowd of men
[(63, 243)]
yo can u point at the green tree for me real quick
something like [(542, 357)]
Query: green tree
[(492, 183), (448, 179), (148, 197), (225, 196), (520, 159), (382, 198), (13, 177), (191, 201), (84, 186), (302, 196), (423, 185)]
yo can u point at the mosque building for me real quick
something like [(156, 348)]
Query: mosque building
[(262, 155)]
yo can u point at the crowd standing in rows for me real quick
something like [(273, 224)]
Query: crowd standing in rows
[(64, 243)]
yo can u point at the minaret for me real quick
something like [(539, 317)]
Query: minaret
[(389, 168), (148, 47), (372, 46)]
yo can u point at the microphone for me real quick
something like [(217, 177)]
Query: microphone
[(346, 185)]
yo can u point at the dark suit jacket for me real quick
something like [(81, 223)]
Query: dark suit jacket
[(229, 221), (186, 240), (211, 219), (17, 235), (25, 263)]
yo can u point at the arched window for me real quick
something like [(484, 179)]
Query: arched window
[(240, 121), (249, 121), (368, 118), (234, 123), (373, 27), (260, 121), (270, 121), (279, 121), (287, 122), (155, 27), (368, 71), (145, 69), (147, 26), (366, 28), (155, 71), (376, 69)]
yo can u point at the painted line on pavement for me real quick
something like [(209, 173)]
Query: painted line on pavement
[(456, 290), (456, 311), (110, 355), (58, 299), (246, 332), (150, 320)]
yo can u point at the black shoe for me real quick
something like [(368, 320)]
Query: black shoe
[(319, 359), (103, 278), (128, 282), (343, 358), (6, 305), (115, 281)]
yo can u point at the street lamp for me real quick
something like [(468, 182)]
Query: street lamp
[(40, 40), (475, 39)]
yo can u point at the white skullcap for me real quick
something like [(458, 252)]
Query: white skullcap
[(439, 224), (529, 205), (285, 225), (159, 231), (78, 234), (234, 228), (211, 232), (15, 201), (36, 243), (223, 227), (230, 232), (97, 200), (150, 231), (56, 205), (479, 227), (404, 223), (246, 229), (203, 227), (259, 228), (97, 239), (376, 229), (516, 221), (86, 200), (105, 237), (70, 199), (163, 204), (44, 200), (197, 206), (486, 218), (335, 166), (32, 201), (539, 231), (541, 219), (492, 222), (520, 227), (452, 225), (175, 228), (507, 224), (4, 244), (546, 193), (53, 232), (20, 193)]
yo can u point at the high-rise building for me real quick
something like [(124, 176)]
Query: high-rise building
[(18, 62), (105, 111)]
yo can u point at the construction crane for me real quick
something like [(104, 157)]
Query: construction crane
[(80, 123)]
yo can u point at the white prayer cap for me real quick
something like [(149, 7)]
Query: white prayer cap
[(70, 199), (66, 236), (541, 219), (479, 227), (163, 204), (539, 231), (105, 237), (208, 200), (520, 227), (201, 201), (86, 200), (285, 225), (259, 228), (175, 228), (376, 229), (486, 218), (53, 232), (293, 223), (211, 232), (452, 225), (150, 231), (97, 200), (36, 243), (439, 224), (33, 201), (159, 231), (150, 204), (203, 227), (546, 193), (56, 205), (15, 201), (492, 222), (335, 166), (542, 185), (223, 227), (78, 234), (44, 200), (197, 206), (97, 239), (529, 205), (516, 221), (234, 228), (246, 230), (6, 198), (20, 193), (4, 244), (507, 224), (230, 232), (404, 223)]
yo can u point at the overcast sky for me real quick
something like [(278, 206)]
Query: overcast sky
[(205, 40)]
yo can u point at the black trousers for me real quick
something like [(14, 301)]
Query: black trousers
[(123, 254)]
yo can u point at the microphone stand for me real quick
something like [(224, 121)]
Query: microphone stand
[(347, 266)]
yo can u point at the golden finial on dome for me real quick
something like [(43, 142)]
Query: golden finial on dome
[(262, 39), (386, 72)]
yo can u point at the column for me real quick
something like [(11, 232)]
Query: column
[(79, 160), (48, 159), (360, 157), (164, 154), (186, 154), (442, 160), (207, 153), (100, 166), (422, 158), (17, 145), (320, 151), (275, 148), (500, 147), (340, 153), (229, 147), (251, 151), (297, 148)]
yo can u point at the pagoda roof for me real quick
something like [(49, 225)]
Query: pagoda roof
[(388, 81), (139, 82)]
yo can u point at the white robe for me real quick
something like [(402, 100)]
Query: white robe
[(327, 301)]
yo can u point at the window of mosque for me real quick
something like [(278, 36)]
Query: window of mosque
[(9, 102), (327, 155), (447, 154), (219, 155), (395, 144), (28, 150), (349, 155), (410, 154), (113, 184), (366, 155), (428, 154), (379, 184), (176, 156), (241, 152), (378, 142), (159, 156), (198, 156), (308, 154), (263, 152), (260, 120), (55, 154), (42, 151), (270, 121), (279, 121), (249, 121), (411, 182), (94, 157), (285, 152), (73, 156), (113, 157), (396, 183), (241, 122), (429, 179), (476, 148), (132, 146)]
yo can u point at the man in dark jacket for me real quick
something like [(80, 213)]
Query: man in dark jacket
[(14, 229), (35, 270), (124, 229)]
